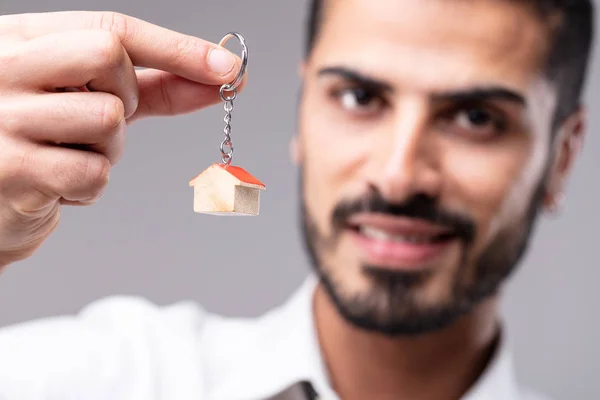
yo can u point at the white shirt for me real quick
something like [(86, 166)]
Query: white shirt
[(124, 348)]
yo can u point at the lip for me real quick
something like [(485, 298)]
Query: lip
[(399, 255), (398, 225)]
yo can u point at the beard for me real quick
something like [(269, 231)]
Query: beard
[(391, 305)]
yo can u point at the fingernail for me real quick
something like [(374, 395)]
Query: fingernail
[(221, 62)]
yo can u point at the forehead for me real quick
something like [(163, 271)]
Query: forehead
[(438, 44)]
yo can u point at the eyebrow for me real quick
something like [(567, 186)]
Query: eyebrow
[(480, 94), (356, 77), (475, 94)]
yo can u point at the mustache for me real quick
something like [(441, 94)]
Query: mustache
[(419, 206)]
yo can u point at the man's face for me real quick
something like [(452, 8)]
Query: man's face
[(425, 142)]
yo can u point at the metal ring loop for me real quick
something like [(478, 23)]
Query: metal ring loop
[(227, 98), (233, 85), (227, 143), (226, 159)]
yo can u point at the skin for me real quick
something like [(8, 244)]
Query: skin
[(63, 127), (401, 144)]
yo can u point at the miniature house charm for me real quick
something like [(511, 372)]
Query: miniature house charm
[(224, 189)]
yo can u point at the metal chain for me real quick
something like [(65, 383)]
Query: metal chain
[(226, 145)]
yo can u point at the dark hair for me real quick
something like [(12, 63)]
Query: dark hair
[(567, 61)]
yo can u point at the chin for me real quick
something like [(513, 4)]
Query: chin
[(394, 302)]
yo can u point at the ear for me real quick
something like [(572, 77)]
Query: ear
[(296, 153), (567, 147), (301, 69), (296, 149)]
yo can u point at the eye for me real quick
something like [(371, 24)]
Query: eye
[(359, 100), (476, 121)]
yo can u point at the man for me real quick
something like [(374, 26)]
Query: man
[(432, 134)]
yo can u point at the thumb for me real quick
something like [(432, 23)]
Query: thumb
[(165, 94)]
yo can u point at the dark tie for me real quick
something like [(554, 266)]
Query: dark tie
[(298, 391)]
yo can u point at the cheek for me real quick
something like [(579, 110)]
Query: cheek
[(485, 178), (525, 183), (496, 183), (334, 152), (334, 142)]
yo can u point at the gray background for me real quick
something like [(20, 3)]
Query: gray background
[(143, 239)]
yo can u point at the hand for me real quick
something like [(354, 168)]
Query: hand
[(68, 90)]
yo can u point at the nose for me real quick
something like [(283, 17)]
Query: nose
[(410, 165)]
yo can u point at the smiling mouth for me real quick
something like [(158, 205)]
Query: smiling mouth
[(400, 243), (374, 233)]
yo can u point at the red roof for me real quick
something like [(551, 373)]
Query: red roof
[(237, 172), (240, 174)]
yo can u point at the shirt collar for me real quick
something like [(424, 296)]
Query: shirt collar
[(254, 359), (259, 358), (498, 381)]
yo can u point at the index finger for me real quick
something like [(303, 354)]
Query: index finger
[(148, 45)]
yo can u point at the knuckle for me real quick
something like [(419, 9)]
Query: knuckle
[(116, 23), (10, 121), (89, 173), (13, 159), (10, 59), (11, 25), (109, 51), (185, 47), (97, 173), (111, 114), (165, 94)]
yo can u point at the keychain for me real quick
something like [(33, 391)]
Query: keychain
[(225, 189)]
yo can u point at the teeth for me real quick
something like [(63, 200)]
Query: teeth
[(377, 234)]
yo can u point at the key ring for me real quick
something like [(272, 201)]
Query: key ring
[(226, 146), (240, 76)]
